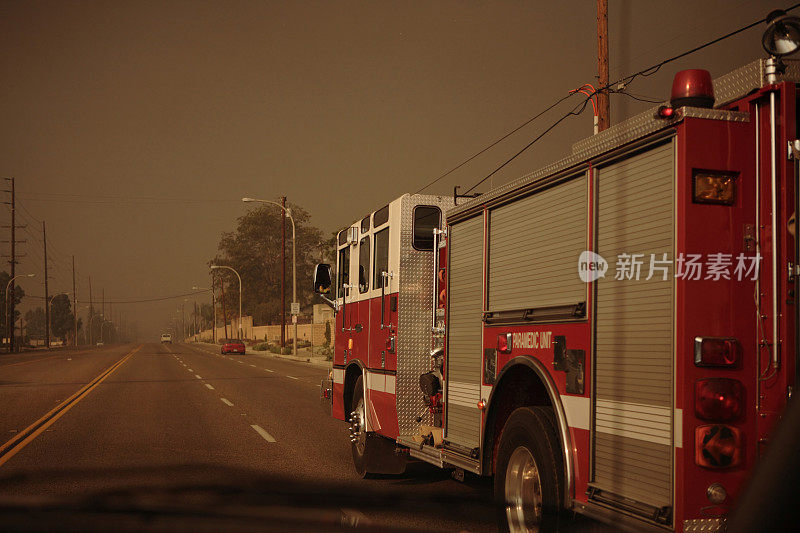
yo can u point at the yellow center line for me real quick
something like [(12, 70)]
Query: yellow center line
[(26, 436)]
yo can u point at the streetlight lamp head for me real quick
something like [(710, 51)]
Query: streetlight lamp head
[(30, 275), (214, 267), (247, 199)]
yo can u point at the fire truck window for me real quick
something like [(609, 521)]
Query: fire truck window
[(380, 217), (363, 265), (343, 236), (344, 270), (381, 257), (365, 224), (425, 219)]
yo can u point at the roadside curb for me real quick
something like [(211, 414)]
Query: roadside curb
[(311, 361)]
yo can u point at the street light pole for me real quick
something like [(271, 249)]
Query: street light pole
[(91, 319), (288, 212), (10, 340), (50, 316), (213, 309), (213, 267)]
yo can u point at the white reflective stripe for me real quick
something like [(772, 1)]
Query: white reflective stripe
[(463, 394), (486, 392), (679, 428), (649, 423), (381, 382), (376, 382), (338, 375), (577, 411)]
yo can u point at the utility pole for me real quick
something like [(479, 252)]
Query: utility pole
[(74, 303), (91, 312), (224, 313), (46, 293), (603, 106), (13, 266), (283, 272), (213, 310)]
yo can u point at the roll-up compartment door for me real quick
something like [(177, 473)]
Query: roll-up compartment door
[(633, 399), (465, 273), (534, 247)]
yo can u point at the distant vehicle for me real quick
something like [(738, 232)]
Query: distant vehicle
[(232, 346), (166, 337), (99, 343)]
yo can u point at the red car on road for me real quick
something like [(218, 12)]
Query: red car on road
[(232, 346)]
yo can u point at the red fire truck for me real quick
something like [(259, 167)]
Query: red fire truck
[(612, 334)]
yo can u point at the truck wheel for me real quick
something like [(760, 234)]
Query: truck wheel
[(358, 432), (528, 475), (372, 454)]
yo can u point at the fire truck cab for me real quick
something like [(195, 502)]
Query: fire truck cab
[(614, 333)]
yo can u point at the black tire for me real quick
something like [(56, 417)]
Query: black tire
[(530, 457), (372, 454)]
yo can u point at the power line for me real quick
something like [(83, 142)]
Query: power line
[(638, 97), (118, 302), (493, 144), (577, 110), (114, 199), (624, 82)]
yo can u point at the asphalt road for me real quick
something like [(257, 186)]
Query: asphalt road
[(179, 437)]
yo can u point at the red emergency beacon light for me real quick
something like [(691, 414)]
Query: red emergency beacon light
[(692, 88)]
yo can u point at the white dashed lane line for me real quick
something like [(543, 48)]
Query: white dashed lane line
[(266, 436), (198, 377), (268, 370), (190, 370), (210, 387), (291, 377), (226, 402)]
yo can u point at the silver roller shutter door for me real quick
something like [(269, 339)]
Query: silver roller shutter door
[(465, 272), (633, 401), (534, 248)]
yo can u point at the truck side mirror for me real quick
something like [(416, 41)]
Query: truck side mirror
[(322, 278)]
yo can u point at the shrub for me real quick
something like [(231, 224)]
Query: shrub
[(287, 350), (261, 347)]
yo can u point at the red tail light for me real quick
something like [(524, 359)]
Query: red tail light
[(504, 343), (717, 446), (717, 351), (718, 399), (665, 111)]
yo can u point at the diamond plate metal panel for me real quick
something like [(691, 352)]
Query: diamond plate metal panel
[(415, 309), (626, 132), (727, 88), (738, 83)]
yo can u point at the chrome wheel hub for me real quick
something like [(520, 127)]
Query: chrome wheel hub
[(523, 492), (358, 436)]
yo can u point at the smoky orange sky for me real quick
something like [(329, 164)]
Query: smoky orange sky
[(134, 128)]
